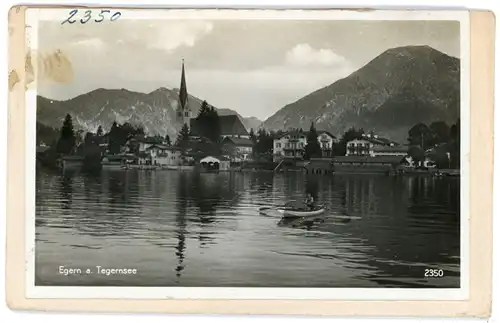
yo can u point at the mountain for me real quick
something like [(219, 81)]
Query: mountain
[(398, 89), (248, 122), (156, 110)]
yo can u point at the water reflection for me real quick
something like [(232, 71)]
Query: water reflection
[(193, 229), (180, 218)]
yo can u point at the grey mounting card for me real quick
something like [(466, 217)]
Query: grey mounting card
[(321, 162)]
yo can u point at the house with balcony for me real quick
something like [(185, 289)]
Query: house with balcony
[(292, 144), (160, 155), (237, 149), (373, 145)]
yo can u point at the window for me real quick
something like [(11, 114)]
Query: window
[(278, 145), (186, 114)]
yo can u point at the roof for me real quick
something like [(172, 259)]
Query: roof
[(232, 125), (292, 133), (239, 141), (367, 159), (229, 125), (209, 159), (376, 140), (304, 133), (320, 132), (160, 146)]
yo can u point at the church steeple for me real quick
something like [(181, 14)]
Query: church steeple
[(184, 111)]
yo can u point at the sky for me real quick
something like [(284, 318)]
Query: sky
[(254, 67)]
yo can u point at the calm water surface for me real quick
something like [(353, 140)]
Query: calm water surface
[(187, 229)]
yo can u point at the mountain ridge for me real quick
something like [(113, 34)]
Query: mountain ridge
[(155, 110), (423, 82)]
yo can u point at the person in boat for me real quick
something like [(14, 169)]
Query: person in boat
[(309, 201)]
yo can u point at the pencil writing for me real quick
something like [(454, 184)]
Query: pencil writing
[(89, 14)]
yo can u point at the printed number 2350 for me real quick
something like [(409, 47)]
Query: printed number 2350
[(434, 273), (88, 15)]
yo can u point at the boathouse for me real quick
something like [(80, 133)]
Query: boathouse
[(366, 164)]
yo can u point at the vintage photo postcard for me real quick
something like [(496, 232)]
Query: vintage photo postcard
[(325, 162)]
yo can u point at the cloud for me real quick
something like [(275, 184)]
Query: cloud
[(172, 35), (90, 43), (305, 55)]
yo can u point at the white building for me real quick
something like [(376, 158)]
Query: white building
[(373, 145), (292, 144), (238, 149), (160, 155)]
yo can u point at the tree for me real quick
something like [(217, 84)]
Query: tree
[(352, 133), (183, 137), (204, 109), (67, 139), (263, 147), (167, 140), (253, 138), (114, 138), (440, 132), (120, 134), (313, 149), (417, 154), (420, 135), (46, 135), (208, 123), (455, 145), (91, 153), (99, 132)]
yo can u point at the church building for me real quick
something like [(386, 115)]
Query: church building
[(231, 125), (184, 113)]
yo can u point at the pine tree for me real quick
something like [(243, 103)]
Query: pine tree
[(99, 131), (204, 109), (113, 138), (208, 122), (253, 138), (313, 149), (183, 137), (67, 140), (167, 140)]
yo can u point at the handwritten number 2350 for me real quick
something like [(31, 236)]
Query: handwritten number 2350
[(88, 15)]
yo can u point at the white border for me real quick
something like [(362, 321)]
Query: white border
[(462, 293)]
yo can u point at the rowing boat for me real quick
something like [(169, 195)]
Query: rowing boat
[(296, 213)]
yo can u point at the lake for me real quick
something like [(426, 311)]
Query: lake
[(190, 229)]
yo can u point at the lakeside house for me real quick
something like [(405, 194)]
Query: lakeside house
[(238, 149), (389, 151), (292, 144), (117, 161), (369, 164), (373, 145), (213, 164), (158, 155)]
